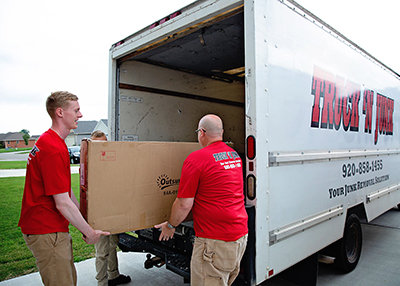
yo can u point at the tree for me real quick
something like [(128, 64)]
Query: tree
[(26, 136)]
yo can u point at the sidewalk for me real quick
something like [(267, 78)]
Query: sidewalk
[(130, 263), (21, 172)]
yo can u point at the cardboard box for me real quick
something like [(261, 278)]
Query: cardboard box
[(130, 185)]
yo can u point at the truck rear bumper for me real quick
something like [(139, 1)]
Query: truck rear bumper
[(175, 262)]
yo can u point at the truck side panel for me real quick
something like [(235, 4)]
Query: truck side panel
[(324, 116)]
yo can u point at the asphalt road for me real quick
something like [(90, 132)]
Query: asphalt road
[(14, 156)]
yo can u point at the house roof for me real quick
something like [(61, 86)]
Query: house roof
[(85, 127), (2, 135), (11, 136), (105, 121)]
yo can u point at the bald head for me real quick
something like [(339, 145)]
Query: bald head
[(212, 124), (213, 127)]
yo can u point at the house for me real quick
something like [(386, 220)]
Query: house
[(84, 130), (15, 140), (103, 126)]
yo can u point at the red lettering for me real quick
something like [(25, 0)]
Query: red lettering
[(380, 115), (390, 106), (317, 90), (355, 100), (338, 102), (346, 101), (329, 96), (367, 109)]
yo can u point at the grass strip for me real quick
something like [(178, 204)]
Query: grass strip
[(2, 150), (15, 257), (5, 165)]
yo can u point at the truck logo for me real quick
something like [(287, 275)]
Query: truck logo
[(340, 100), (33, 152)]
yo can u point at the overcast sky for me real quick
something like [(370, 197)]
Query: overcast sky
[(63, 45)]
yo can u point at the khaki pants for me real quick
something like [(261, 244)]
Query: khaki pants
[(54, 258), (106, 259), (216, 262)]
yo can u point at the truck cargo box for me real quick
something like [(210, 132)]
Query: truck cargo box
[(314, 116)]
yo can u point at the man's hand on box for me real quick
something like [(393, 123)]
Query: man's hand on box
[(166, 232), (94, 237)]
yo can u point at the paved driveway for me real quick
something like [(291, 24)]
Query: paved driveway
[(21, 156), (21, 172), (14, 156)]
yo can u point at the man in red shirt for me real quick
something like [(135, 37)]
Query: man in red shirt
[(48, 203), (211, 185)]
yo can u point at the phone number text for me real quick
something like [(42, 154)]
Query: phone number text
[(351, 169)]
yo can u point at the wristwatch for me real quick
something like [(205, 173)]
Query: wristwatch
[(170, 225)]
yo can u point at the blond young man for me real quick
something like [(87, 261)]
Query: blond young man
[(48, 203), (106, 248)]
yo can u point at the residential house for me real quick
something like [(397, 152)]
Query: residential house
[(15, 140), (103, 126), (84, 130)]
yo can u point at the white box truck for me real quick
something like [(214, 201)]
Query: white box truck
[(314, 117)]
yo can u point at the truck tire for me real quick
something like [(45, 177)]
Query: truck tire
[(348, 249)]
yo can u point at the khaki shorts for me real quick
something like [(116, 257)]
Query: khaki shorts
[(54, 258), (216, 262)]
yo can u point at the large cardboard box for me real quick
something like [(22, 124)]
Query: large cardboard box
[(130, 185)]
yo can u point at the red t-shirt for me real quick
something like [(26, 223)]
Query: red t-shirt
[(48, 173), (213, 176)]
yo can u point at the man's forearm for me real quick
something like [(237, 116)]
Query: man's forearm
[(72, 214), (180, 210), (74, 200), (68, 209)]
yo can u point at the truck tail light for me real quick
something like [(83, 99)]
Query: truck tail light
[(251, 155), (251, 187), (251, 147)]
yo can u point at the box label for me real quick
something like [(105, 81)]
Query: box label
[(108, 155), (167, 185)]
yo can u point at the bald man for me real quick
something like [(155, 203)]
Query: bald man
[(211, 185)]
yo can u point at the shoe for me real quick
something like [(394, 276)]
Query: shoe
[(121, 279)]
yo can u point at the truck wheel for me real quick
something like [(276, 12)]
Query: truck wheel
[(348, 249)]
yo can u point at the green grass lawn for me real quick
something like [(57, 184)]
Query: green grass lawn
[(4, 165), (15, 257), (2, 150)]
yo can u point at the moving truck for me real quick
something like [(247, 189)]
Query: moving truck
[(314, 117)]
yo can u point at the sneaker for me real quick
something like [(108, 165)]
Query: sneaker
[(121, 279)]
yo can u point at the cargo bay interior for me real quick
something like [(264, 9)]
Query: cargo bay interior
[(166, 87)]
